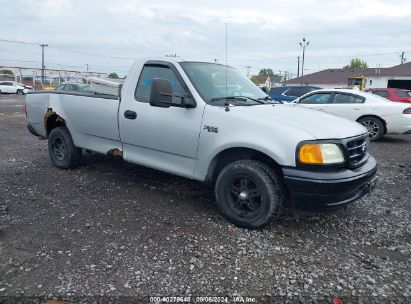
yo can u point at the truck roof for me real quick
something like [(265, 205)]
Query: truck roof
[(173, 60)]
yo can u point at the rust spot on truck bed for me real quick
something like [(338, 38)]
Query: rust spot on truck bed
[(115, 152), (49, 113), (51, 120)]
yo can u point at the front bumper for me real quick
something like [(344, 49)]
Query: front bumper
[(329, 190)]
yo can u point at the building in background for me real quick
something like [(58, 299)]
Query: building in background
[(267, 81), (398, 76)]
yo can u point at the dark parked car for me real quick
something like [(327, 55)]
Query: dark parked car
[(74, 87), (290, 93)]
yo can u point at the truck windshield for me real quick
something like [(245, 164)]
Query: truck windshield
[(216, 82)]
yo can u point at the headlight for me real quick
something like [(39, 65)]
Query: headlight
[(320, 154)]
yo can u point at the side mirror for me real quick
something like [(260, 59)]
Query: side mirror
[(265, 90), (161, 93)]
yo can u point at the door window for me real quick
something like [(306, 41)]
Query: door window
[(403, 93), (294, 92), (381, 93), (69, 87), (347, 98), (298, 92), (318, 98), (151, 71)]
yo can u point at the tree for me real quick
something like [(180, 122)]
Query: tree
[(7, 73), (266, 72), (113, 75), (356, 63), (254, 79)]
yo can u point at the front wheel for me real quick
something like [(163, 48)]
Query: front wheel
[(374, 126), (20, 92), (62, 151), (249, 194)]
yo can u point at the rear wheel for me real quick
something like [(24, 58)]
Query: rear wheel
[(249, 194), (374, 126), (62, 151)]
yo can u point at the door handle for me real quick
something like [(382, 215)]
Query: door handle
[(130, 114)]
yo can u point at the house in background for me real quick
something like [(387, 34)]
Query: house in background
[(276, 80), (267, 81), (398, 76)]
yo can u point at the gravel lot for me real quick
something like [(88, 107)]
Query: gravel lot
[(114, 230)]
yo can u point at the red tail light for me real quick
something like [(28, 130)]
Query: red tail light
[(407, 111)]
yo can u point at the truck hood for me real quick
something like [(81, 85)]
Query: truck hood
[(319, 125)]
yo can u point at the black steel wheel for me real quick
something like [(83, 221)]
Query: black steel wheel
[(62, 151), (58, 148), (374, 126), (249, 194), (245, 196)]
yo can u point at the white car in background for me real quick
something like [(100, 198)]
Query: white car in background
[(379, 115), (13, 87)]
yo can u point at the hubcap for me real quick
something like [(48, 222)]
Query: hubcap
[(245, 197), (372, 127), (58, 148)]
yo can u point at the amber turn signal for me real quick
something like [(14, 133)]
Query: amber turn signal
[(311, 154)]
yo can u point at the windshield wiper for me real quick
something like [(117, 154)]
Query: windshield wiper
[(268, 98), (245, 98)]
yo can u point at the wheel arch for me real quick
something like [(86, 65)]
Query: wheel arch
[(229, 155), (53, 120), (384, 123)]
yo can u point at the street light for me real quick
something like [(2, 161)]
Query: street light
[(303, 44)]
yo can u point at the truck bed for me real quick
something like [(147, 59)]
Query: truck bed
[(91, 118)]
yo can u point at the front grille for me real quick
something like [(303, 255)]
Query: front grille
[(357, 151)]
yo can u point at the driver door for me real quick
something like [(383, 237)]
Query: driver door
[(164, 138)]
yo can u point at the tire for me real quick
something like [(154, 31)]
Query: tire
[(20, 92), (374, 126), (62, 151), (249, 194)]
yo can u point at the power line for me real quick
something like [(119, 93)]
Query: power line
[(20, 42), (91, 54)]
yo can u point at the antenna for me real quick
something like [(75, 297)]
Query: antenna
[(226, 77), (226, 62)]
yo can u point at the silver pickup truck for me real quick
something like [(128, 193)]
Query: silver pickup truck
[(208, 122)]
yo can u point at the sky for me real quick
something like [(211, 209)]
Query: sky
[(108, 35)]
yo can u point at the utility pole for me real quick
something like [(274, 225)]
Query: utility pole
[(298, 66), (248, 67), (303, 44), (42, 62), (402, 58)]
